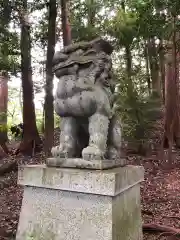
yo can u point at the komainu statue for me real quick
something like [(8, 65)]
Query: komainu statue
[(84, 101)]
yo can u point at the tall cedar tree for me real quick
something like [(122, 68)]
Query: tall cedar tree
[(162, 67), (65, 22), (5, 19), (147, 67), (91, 14), (128, 56), (154, 67), (48, 107), (31, 138), (172, 113)]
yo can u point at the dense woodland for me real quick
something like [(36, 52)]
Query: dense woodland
[(146, 40), (145, 37)]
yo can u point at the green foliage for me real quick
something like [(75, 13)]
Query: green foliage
[(88, 18), (138, 110), (3, 128), (130, 26), (123, 27), (40, 31), (57, 121), (9, 40)]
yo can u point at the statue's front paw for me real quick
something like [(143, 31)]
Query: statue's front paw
[(92, 153), (62, 152), (113, 154), (57, 151)]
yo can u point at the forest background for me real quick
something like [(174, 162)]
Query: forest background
[(146, 40), (145, 36)]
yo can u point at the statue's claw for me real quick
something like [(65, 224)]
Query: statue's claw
[(92, 153), (61, 152)]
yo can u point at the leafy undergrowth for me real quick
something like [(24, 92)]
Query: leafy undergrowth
[(160, 194)]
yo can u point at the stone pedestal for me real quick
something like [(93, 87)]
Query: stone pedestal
[(80, 204)]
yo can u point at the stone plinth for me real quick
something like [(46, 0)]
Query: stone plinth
[(81, 163), (80, 204)]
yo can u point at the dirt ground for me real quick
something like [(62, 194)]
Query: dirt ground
[(160, 193)]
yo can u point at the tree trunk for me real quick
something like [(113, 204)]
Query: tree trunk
[(49, 107), (5, 19), (65, 22), (91, 20), (128, 58), (128, 61), (176, 90), (166, 230), (31, 138), (20, 100), (3, 109), (43, 119), (169, 103), (154, 68), (91, 13), (147, 68), (129, 66), (172, 114), (162, 67)]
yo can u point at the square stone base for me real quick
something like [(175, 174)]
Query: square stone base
[(78, 204)]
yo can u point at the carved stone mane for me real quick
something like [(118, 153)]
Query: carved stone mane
[(82, 55)]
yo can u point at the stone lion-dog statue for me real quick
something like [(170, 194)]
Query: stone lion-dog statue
[(84, 101)]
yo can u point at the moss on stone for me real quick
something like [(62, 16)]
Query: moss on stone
[(40, 233)]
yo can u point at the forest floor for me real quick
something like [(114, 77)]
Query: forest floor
[(160, 194)]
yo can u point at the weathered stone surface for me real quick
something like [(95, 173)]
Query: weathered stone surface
[(105, 46), (107, 182), (90, 129), (61, 215), (81, 163), (126, 215), (96, 205)]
